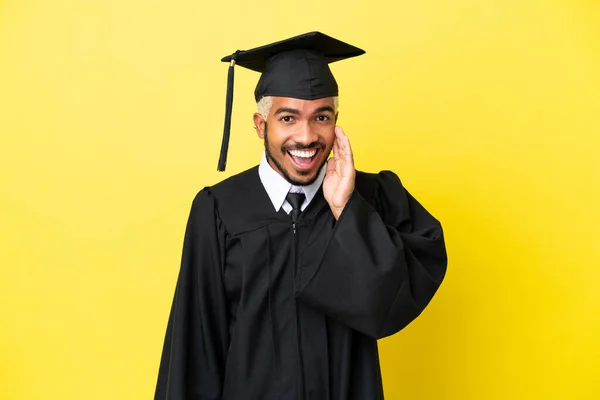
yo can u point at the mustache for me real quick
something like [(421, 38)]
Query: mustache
[(301, 146)]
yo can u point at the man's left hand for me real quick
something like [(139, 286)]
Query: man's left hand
[(339, 179)]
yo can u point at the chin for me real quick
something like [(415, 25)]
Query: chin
[(290, 172), (302, 178)]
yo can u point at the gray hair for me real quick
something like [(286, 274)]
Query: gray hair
[(264, 105)]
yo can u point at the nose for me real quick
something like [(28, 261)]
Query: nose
[(305, 134)]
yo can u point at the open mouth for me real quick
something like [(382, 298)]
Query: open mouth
[(303, 159)]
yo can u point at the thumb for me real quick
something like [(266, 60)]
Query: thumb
[(330, 167)]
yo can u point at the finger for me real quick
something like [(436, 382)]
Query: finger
[(330, 167), (339, 134), (345, 147), (340, 147), (336, 150)]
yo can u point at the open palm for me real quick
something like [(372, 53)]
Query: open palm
[(339, 179)]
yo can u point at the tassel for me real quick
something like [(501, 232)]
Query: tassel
[(228, 111)]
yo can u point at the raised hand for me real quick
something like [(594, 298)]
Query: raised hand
[(339, 179)]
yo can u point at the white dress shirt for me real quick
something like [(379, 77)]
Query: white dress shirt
[(277, 187)]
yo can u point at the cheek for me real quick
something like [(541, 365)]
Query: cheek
[(329, 137), (277, 136)]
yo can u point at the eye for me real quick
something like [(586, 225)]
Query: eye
[(287, 118), (322, 118)]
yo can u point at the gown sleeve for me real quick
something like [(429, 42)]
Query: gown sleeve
[(197, 336), (384, 261)]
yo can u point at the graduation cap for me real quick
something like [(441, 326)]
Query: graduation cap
[(296, 67)]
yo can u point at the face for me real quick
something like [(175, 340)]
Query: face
[(298, 136)]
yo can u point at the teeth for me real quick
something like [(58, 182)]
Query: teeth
[(303, 153)]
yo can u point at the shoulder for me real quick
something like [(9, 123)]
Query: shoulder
[(236, 184), (385, 193), (228, 187), (370, 184), (239, 202), (226, 193)]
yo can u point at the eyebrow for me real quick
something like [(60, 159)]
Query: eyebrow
[(287, 110), (324, 108)]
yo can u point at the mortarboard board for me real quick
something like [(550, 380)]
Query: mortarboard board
[(296, 67)]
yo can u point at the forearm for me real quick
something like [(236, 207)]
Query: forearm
[(372, 277)]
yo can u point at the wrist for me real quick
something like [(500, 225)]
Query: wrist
[(337, 212)]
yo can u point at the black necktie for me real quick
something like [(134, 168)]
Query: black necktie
[(295, 200)]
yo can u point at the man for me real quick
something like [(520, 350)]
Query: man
[(293, 269)]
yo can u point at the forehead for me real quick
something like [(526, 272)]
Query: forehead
[(303, 106)]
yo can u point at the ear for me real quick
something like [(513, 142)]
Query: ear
[(259, 125)]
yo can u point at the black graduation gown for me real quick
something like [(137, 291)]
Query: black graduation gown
[(261, 313)]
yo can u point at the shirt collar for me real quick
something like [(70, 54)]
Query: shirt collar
[(277, 187)]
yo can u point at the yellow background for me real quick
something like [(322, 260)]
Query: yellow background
[(111, 115)]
